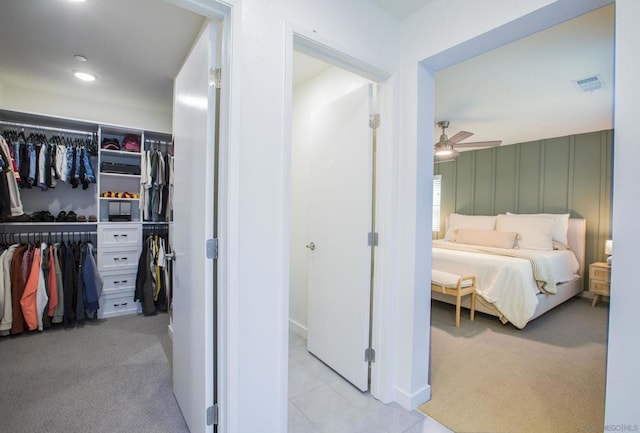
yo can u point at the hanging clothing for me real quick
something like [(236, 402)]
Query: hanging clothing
[(155, 177), (10, 201), (41, 161), (58, 312), (42, 298), (92, 281), (31, 296), (152, 281), (17, 289), (69, 281), (6, 307)]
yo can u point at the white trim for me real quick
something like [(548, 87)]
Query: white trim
[(412, 400), (298, 328)]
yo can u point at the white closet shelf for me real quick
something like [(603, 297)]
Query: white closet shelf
[(49, 223), (119, 199), (120, 152), (130, 176)]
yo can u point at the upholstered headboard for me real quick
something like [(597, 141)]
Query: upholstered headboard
[(577, 237)]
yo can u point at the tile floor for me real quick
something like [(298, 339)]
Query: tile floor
[(320, 401)]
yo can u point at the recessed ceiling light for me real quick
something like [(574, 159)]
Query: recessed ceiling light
[(84, 76), (80, 57)]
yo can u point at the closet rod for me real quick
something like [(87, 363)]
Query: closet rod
[(47, 128)]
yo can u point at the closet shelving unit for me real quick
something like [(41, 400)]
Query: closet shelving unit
[(118, 182), (118, 243)]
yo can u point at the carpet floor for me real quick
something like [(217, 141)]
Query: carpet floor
[(548, 377), (111, 375)]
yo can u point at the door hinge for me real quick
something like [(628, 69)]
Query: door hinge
[(374, 121), (372, 239), (369, 355), (212, 249), (215, 78), (212, 415)]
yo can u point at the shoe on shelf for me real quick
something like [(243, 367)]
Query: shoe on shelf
[(61, 216), (82, 218), (47, 216), (37, 216), (24, 218), (71, 217), (93, 219)]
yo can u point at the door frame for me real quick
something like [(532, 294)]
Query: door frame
[(310, 43)]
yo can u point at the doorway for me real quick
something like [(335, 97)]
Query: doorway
[(322, 150), (598, 219)]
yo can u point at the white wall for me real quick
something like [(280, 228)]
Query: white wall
[(623, 375), (62, 197), (259, 157), (259, 178), (307, 98), (132, 113)]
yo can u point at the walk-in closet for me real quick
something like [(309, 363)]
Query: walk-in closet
[(86, 211)]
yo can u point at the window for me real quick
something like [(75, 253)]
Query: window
[(435, 216)]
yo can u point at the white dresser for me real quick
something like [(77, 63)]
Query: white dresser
[(119, 248)]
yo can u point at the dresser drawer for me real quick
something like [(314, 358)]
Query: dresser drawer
[(599, 287), (119, 235), (118, 305), (124, 259), (599, 273), (114, 283)]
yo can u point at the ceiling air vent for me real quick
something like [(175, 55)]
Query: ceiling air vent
[(589, 84)]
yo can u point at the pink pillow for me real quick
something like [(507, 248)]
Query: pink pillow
[(486, 238)]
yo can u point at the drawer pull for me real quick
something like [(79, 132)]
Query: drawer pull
[(120, 305), (117, 259), (120, 282)]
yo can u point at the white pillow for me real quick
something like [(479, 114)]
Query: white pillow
[(477, 222), (560, 229), (535, 231)]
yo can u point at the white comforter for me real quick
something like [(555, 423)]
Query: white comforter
[(506, 282)]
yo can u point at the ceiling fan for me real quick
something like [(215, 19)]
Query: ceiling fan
[(444, 149)]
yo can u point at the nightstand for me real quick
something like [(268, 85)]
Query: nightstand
[(599, 280)]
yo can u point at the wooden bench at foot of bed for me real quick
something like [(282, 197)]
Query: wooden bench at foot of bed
[(455, 285)]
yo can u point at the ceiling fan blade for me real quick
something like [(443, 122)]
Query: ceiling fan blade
[(459, 137), (480, 144)]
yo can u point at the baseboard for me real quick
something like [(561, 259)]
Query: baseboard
[(412, 401), (298, 328)]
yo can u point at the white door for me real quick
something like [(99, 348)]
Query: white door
[(193, 221), (340, 219)]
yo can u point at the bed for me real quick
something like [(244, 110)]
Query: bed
[(510, 280)]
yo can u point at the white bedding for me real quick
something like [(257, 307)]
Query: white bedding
[(506, 282)]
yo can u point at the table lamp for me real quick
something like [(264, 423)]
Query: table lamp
[(608, 250)]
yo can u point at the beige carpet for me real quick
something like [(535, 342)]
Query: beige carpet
[(548, 377)]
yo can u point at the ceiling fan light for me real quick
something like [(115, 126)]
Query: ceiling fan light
[(444, 149)]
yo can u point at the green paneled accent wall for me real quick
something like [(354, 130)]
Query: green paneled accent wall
[(557, 175)]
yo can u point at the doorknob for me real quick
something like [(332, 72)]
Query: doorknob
[(170, 256), (311, 246)]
